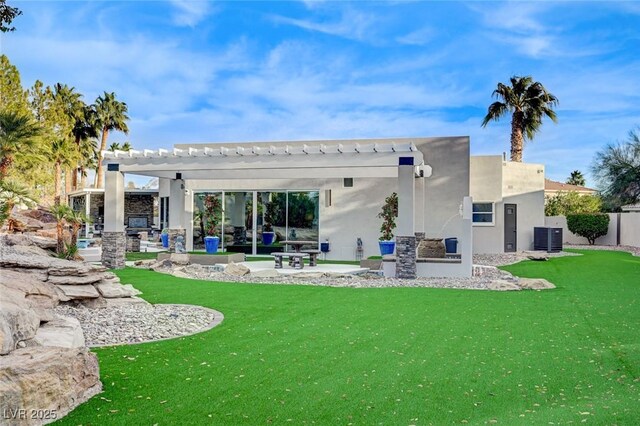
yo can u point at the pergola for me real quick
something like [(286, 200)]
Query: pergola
[(402, 161)]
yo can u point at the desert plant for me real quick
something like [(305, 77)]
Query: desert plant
[(388, 215), (76, 219), (60, 213), (12, 193), (212, 214), (589, 226), (70, 252)]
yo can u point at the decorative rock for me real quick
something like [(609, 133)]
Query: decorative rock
[(134, 291), (535, 284), (128, 301), (502, 285), (109, 290), (79, 291), (75, 280), (371, 264), (64, 332), (48, 379), (308, 274), (539, 256), (180, 274), (236, 269), (179, 258), (17, 320), (431, 248), (29, 240)]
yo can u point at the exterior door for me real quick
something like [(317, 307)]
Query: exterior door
[(510, 227)]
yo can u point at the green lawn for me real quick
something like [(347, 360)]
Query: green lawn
[(303, 355)]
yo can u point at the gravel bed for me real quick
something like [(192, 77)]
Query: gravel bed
[(631, 249), (502, 259), (139, 323)]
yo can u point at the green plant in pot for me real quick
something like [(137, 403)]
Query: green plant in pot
[(212, 218), (268, 236), (388, 214)]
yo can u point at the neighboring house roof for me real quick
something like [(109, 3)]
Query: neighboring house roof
[(553, 187)]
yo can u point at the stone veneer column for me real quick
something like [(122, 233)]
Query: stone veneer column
[(173, 234), (405, 257), (113, 249)]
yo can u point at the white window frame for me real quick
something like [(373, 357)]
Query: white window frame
[(493, 214)]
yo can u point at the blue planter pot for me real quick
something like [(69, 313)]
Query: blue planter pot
[(165, 240), (387, 247), (268, 237), (211, 244)]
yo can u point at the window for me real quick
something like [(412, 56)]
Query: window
[(483, 214), (347, 183)]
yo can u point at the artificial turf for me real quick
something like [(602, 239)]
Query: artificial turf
[(319, 355)]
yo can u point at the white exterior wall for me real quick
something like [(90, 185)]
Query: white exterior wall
[(503, 182), (630, 229), (353, 212)]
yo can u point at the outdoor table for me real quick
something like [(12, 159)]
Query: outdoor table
[(297, 244)]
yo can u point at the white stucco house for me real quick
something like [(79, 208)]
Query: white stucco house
[(333, 190)]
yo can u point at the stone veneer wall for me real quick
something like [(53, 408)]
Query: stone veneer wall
[(405, 257), (114, 245), (138, 205), (173, 233)]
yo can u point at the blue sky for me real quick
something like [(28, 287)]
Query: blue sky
[(252, 71)]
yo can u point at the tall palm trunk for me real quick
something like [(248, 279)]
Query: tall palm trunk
[(68, 184), (57, 184), (4, 166), (83, 177), (103, 146), (74, 179), (60, 236), (517, 138)]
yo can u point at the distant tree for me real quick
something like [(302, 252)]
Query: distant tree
[(528, 102), (576, 178), (126, 147), (617, 169), (570, 202), (19, 135), (114, 147), (85, 132), (71, 107), (111, 115), (7, 15), (14, 97)]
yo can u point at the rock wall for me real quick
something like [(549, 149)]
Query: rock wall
[(43, 362)]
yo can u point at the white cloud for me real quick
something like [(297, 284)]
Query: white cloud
[(190, 13), (418, 37), (353, 25)]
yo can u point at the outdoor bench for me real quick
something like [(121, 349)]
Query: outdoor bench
[(313, 256), (296, 259)]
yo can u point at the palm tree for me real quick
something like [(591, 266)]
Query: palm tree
[(71, 105), (527, 101), (19, 135), (63, 155), (576, 178), (12, 193), (126, 147), (60, 213), (88, 158), (111, 115), (75, 219), (84, 133), (114, 147)]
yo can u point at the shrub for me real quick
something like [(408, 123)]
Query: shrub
[(566, 203), (589, 226)]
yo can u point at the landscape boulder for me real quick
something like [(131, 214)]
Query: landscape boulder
[(45, 378), (535, 284), (62, 332), (236, 269), (18, 322)]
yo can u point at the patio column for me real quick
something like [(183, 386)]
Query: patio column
[(87, 212), (176, 212), (405, 237), (114, 239), (237, 218)]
